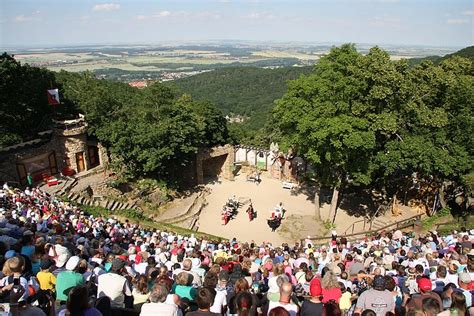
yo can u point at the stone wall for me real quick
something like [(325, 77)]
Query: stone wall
[(9, 161), (63, 142), (205, 155), (277, 165)]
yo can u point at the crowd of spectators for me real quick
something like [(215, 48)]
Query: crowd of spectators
[(58, 260)]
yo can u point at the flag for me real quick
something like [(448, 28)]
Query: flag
[(53, 96)]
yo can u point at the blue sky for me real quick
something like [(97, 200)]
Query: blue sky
[(72, 22)]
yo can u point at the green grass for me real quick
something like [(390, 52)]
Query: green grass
[(444, 222)]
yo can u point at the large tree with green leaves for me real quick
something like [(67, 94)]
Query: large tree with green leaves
[(365, 119), (24, 108), (150, 132)]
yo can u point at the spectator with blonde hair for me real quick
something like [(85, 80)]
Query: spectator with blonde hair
[(331, 290)]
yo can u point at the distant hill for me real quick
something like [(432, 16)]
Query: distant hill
[(467, 52), (245, 91)]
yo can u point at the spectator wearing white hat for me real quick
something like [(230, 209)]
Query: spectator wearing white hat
[(68, 279), (464, 287)]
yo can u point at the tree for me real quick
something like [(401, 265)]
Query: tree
[(320, 117), (24, 108), (364, 120)]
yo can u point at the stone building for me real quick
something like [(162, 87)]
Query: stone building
[(65, 149)]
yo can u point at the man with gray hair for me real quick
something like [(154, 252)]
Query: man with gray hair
[(158, 306), (187, 266)]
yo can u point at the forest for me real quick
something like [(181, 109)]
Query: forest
[(248, 92)]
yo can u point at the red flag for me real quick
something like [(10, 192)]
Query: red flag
[(53, 96)]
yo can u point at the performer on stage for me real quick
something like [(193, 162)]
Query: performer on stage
[(278, 213), (250, 211), (224, 216)]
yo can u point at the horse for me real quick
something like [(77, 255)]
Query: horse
[(274, 223)]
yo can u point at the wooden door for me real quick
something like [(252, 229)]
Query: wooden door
[(93, 156), (21, 173), (53, 167), (80, 162)]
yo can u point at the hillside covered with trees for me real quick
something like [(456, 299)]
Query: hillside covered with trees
[(467, 52), (246, 91)]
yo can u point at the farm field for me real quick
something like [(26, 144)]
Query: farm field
[(168, 62)]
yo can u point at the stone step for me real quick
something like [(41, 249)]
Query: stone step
[(113, 207)]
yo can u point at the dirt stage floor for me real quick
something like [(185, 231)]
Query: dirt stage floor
[(299, 219)]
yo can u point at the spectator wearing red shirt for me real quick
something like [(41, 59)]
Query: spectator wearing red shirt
[(331, 290)]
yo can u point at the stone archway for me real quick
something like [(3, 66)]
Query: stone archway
[(215, 162)]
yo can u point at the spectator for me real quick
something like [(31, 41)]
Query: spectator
[(377, 299), (220, 301), (157, 305), (313, 306), (430, 306), (243, 302), (331, 290), (424, 286), (464, 287), (242, 286), (78, 303), (286, 291), (140, 292), (46, 279), (204, 299), (68, 279), (115, 285), (184, 288)]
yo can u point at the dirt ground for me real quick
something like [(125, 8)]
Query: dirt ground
[(299, 219)]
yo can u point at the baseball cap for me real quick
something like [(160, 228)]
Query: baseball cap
[(315, 288), (465, 278), (379, 282), (117, 264), (424, 284)]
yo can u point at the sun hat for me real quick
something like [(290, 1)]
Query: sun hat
[(196, 262), (72, 263), (62, 259)]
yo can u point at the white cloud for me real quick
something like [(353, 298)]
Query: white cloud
[(457, 21), (163, 14), (468, 12), (21, 18), (106, 7), (261, 15), (26, 18), (180, 15)]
